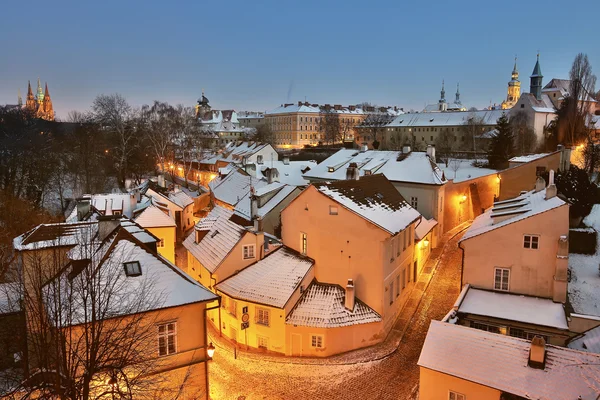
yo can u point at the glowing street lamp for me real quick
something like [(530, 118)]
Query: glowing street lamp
[(210, 350)]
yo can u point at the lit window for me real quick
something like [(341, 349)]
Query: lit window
[(316, 341), (262, 316), (303, 243), (333, 210), (132, 268), (456, 396), (501, 279), (167, 339), (531, 242), (248, 251)]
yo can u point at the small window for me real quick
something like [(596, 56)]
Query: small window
[(167, 339), (333, 210), (414, 202), (262, 342), (303, 243), (501, 279), (531, 242), (248, 251), (456, 396), (133, 268), (259, 159), (116, 212), (522, 105), (316, 341), (539, 171), (391, 292), (397, 285), (262, 316), (403, 278), (161, 243)]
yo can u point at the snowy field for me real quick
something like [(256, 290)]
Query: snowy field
[(584, 288), (462, 170)]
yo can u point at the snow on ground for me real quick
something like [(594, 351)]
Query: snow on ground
[(584, 288), (464, 170)]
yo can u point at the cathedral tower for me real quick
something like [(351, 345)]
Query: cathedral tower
[(535, 85), (48, 110), (39, 94), (514, 89), (30, 102), (40, 104), (457, 100)]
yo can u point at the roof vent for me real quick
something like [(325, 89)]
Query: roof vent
[(540, 184), (537, 353), (349, 298), (352, 172)]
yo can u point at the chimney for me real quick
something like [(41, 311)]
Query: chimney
[(299, 103), (405, 149), (540, 184), (537, 353), (352, 172), (551, 189), (349, 298), (351, 108), (138, 194), (254, 207), (161, 181), (286, 160), (83, 208), (107, 224), (561, 276), (431, 152), (272, 175)]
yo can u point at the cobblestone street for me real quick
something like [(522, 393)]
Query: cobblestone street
[(391, 377)]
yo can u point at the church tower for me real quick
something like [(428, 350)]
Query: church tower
[(47, 111), (457, 100), (514, 89), (30, 102), (202, 107), (39, 94), (535, 85)]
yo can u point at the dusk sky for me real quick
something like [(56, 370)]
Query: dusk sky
[(257, 55)]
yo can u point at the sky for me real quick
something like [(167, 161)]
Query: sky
[(258, 55)]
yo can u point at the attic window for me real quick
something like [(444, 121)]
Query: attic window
[(431, 120), (132, 268), (215, 233), (330, 169)]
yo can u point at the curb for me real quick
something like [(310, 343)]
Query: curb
[(302, 361)]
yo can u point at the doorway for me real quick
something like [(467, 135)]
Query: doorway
[(296, 344)]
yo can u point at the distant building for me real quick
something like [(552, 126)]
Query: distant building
[(442, 105), (251, 119), (514, 89), (222, 126), (40, 104)]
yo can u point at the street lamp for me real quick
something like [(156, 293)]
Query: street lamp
[(210, 350)]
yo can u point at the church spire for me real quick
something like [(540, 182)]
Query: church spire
[(443, 93), (535, 80), (457, 100), (46, 92), (40, 93), (19, 98), (29, 91)]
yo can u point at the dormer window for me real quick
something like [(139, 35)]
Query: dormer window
[(132, 268), (259, 159)]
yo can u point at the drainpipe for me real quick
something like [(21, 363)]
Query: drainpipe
[(462, 263), (206, 359), (214, 291)]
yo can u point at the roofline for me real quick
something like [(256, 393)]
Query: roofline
[(513, 222)]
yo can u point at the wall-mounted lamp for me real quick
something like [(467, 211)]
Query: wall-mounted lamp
[(425, 243), (463, 198), (210, 350)]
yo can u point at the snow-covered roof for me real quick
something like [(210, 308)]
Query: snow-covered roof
[(414, 167), (270, 281), (373, 198), (217, 243), (543, 105), (290, 173), (244, 149), (513, 307), (153, 217), (54, 235), (517, 209), (501, 362), (181, 198), (220, 121), (10, 301), (293, 108), (322, 306), (588, 341), (234, 187), (563, 86), (584, 286), (278, 193), (424, 227), (464, 170), (446, 118), (163, 283), (528, 158)]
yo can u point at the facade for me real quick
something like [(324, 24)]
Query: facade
[(170, 316), (514, 89), (222, 126), (251, 119), (161, 225), (459, 363), (520, 292), (40, 104), (177, 204), (442, 105)]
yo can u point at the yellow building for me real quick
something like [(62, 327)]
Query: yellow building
[(163, 227), (514, 89), (459, 363)]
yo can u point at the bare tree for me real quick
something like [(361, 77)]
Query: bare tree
[(472, 128), (523, 134), (455, 165), (374, 125), (264, 134), (115, 116), (190, 139), (395, 142), (444, 144), (346, 128), (329, 126), (158, 121)]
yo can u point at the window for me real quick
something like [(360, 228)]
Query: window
[(167, 339), (248, 251), (262, 342), (316, 341), (262, 316), (456, 396), (333, 210), (303, 243), (232, 309), (161, 243), (531, 242), (485, 327), (397, 285), (403, 278), (539, 171), (501, 278), (520, 333), (522, 105), (391, 292), (414, 202), (132, 268)]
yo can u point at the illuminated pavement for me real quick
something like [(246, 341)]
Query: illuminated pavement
[(393, 377)]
